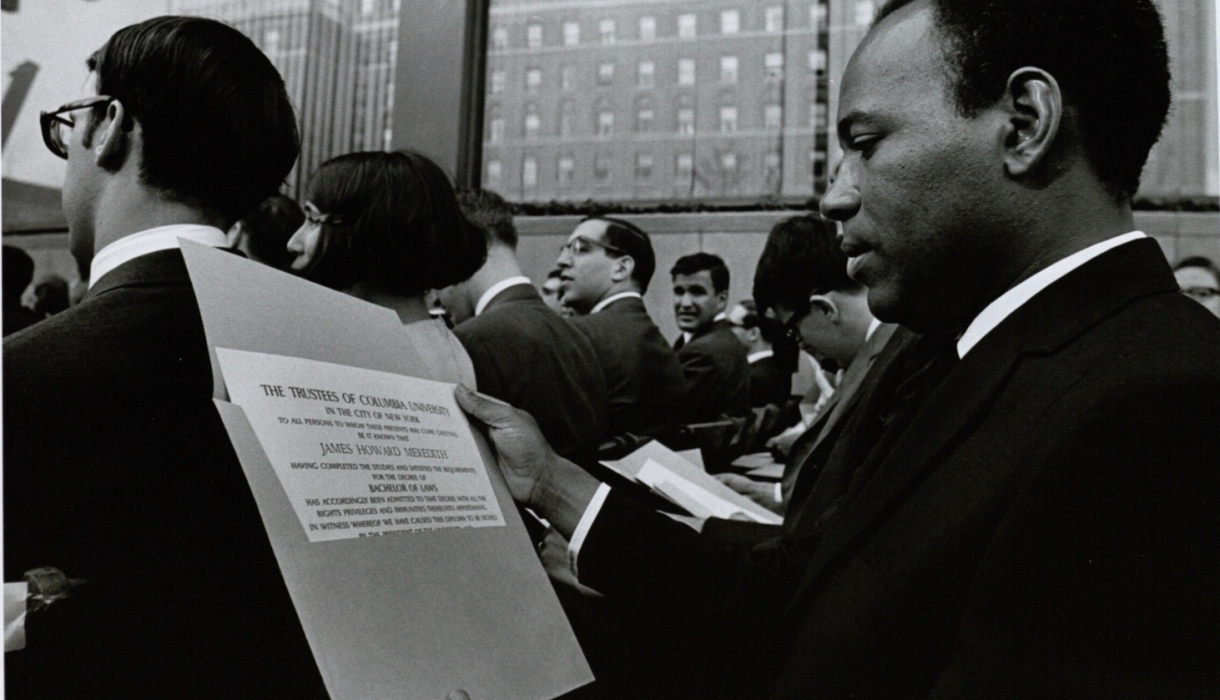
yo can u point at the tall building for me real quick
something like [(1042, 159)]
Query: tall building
[(338, 59), (656, 100)]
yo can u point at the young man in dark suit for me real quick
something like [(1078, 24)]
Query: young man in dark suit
[(117, 469), (770, 375), (1025, 505), (523, 352), (605, 268), (713, 361)]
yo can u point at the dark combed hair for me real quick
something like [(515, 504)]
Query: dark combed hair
[(768, 328), (1108, 56), (400, 228), (632, 240), (698, 262), (218, 129), (489, 211), (268, 228), (1198, 261), (801, 257)]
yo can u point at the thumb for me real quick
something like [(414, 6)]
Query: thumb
[(490, 411)]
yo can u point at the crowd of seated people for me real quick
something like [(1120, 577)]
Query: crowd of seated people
[(1009, 492)]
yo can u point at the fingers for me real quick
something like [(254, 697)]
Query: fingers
[(492, 412)]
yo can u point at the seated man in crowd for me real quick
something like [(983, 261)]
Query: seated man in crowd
[(605, 268), (1200, 280), (117, 469), (770, 376), (523, 352), (1023, 503), (802, 276), (713, 361)]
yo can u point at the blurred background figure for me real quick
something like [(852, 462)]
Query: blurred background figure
[(552, 293), (1199, 279), (386, 228), (50, 296), (18, 273), (263, 233), (770, 374)]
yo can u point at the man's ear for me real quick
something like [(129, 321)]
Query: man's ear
[(1035, 107), (623, 267), (722, 300), (826, 306), (112, 145)]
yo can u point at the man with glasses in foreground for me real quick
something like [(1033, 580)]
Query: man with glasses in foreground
[(117, 469), (605, 268)]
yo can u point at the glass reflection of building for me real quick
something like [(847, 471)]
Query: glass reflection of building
[(338, 60)]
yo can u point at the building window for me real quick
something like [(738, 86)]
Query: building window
[(646, 76), (644, 117), (567, 77), (571, 33), (648, 29), (564, 170), (773, 117), (684, 168), (643, 166), (817, 116), (817, 16), (606, 28), (494, 172), (498, 79), (728, 162), (601, 167), (686, 71), (686, 26), (605, 74), (605, 123), (728, 70), (566, 118), (686, 121), (730, 22), (271, 41), (497, 129), (499, 39), (774, 63), (533, 79), (773, 18), (532, 123), (771, 170), (533, 36), (817, 61), (529, 172), (864, 13), (728, 120)]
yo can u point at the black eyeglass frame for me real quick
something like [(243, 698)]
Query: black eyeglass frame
[(585, 239), (47, 119)]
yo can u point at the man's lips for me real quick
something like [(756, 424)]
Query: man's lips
[(856, 256)]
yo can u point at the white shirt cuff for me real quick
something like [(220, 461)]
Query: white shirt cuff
[(583, 527), (14, 615), (779, 492)]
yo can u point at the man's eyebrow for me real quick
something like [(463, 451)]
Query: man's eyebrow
[(843, 128)]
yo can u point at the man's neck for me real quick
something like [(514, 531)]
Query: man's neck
[(123, 211), (501, 264)]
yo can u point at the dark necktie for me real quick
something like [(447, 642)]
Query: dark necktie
[(680, 342)]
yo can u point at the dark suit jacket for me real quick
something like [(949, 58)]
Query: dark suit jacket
[(117, 470), (642, 373), (528, 355), (1047, 525), (770, 382), (717, 374)]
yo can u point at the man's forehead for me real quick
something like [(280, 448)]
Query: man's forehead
[(593, 228), (700, 278), (902, 51)]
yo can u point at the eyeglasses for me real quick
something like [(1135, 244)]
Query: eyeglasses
[(1200, 294), (56, 130), (791, 329), (317, 218), (581, 245)]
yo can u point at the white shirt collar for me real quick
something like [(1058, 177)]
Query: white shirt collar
[(873, 325), (151, 240), (613, 298), (687, 335), (495, 289), (1015, 298), (760, 355)]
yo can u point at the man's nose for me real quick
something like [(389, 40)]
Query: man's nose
[(842, 201)]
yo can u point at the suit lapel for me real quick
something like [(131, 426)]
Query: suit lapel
[(1052, 318)]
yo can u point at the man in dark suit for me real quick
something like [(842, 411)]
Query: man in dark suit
[(117, 469), (713, 360), (605, 268), (770, 376), (1024, 505), (523, 352)]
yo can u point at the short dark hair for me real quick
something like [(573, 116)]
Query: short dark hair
[(801, 258), (698, 262), (401, 230), (268, 228), (218, 129), (18, 271), (490, 212), (51, 295), (1109, 59), (768, 328), (1201, 262), (632, 240)]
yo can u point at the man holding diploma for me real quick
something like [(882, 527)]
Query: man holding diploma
[(117, 468)]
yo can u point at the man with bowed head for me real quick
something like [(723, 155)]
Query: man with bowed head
[(1024, 503), (117, 469)]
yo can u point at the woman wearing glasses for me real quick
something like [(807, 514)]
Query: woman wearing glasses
[(385, 228)]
